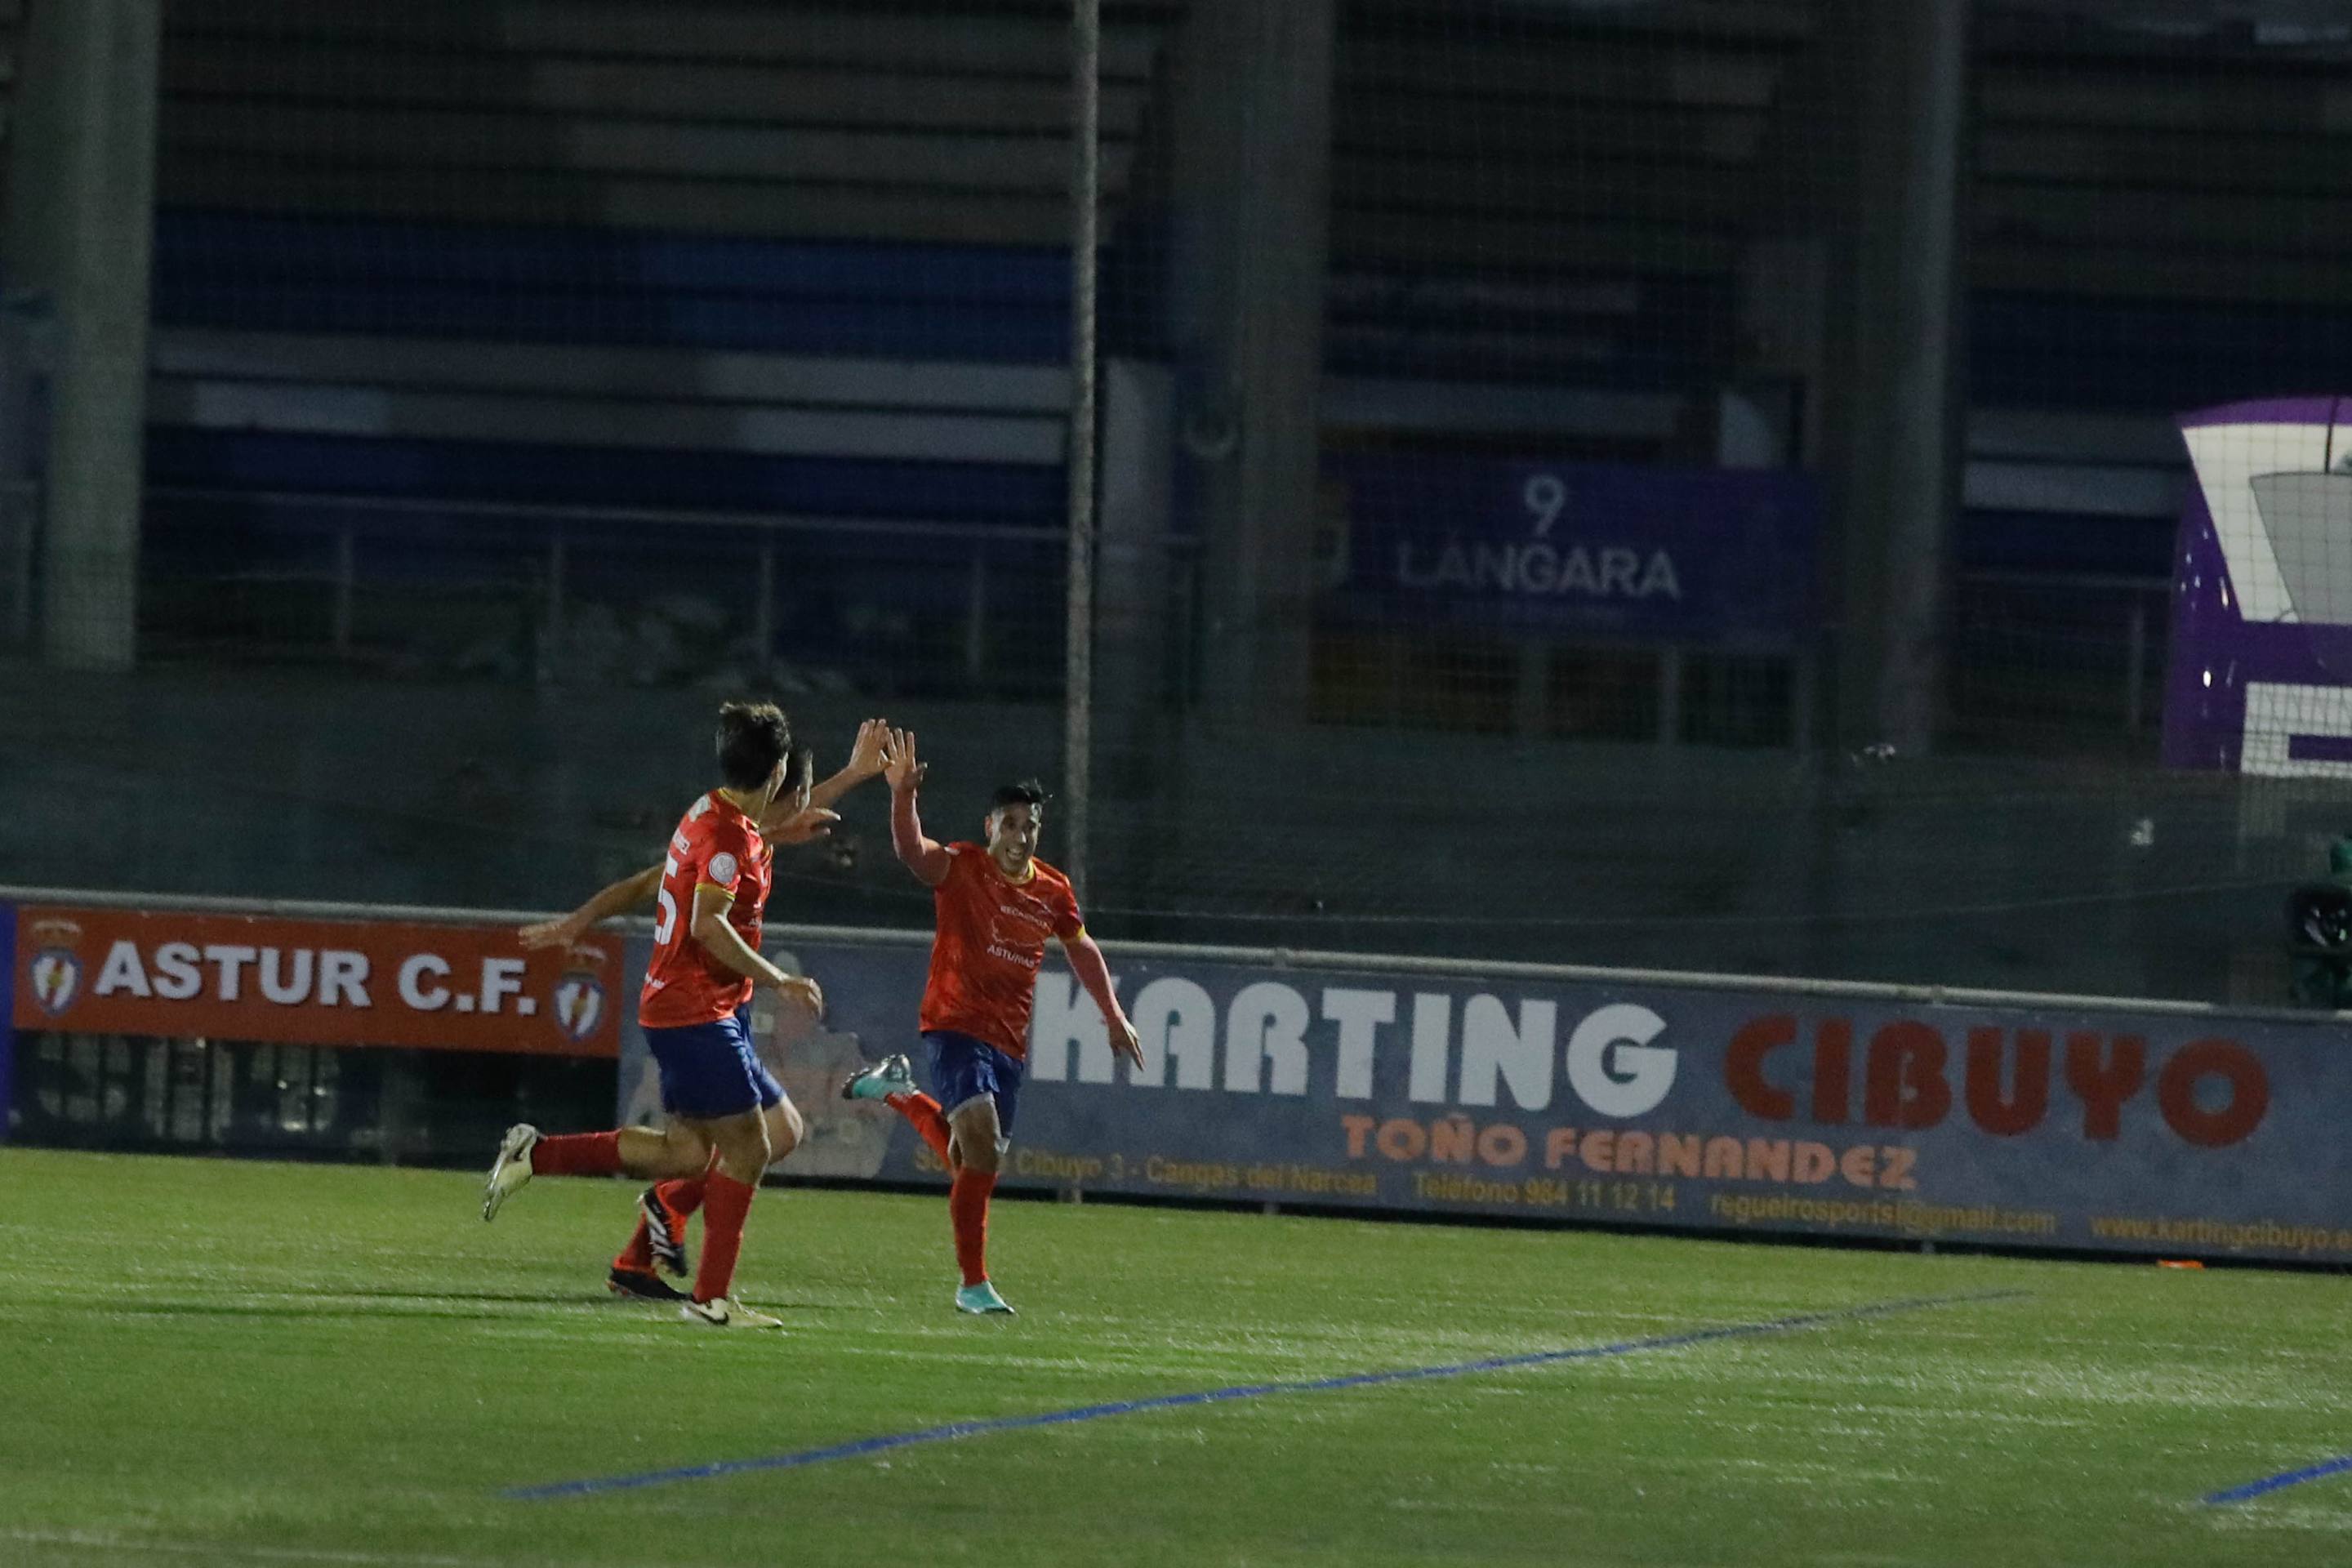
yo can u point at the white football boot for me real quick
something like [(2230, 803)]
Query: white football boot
[(725, 1313), (512, 1170)]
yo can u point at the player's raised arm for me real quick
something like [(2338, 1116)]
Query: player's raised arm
[(865, 763), (1086, 961), (805, 814), (926, 858), (617, 898)]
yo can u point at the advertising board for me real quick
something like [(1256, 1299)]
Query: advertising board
[(1719, 1106), (179, 974)]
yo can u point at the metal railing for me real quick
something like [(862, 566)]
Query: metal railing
[(998, 586)]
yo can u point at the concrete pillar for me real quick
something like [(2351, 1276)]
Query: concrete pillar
[(1904, 404), (1852, 292), (82, 186), (1250, 188), (1141, 600), (1139, 572), (1912, 275)]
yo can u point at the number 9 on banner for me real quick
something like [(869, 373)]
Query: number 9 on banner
[(1547, 497)]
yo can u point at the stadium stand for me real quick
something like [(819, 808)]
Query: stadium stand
[(2156, 227), (812, 269), (823, 254)]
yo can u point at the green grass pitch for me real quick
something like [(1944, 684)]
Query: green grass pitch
[(207, 1362)]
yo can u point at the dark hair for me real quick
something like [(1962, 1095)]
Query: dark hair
[(753, 737), (1028, 792)]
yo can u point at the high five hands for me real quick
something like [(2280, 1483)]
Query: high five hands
[(899, 763)]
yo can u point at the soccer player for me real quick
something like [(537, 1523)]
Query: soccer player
[(666, 1208), (996, 903), (695, 1011)]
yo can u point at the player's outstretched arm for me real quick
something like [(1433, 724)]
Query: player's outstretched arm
[(1086, 961), (806, 814), (926, 858), (618, 899), (791, 818), (865, 763), (728, 949)]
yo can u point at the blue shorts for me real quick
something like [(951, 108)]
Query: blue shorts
[(710, 1070), (965, 1069)]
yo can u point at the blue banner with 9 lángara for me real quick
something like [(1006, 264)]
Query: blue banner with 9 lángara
[(1719, 557)]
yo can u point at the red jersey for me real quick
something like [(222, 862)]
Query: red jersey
[(992, 938), (715, 846)]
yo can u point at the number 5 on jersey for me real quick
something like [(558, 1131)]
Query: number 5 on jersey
[(666, 927)]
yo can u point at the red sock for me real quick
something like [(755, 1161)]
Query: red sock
[(577, 1154), (968, 1209), (637, 1257), (729, 1201), (683, 1196), (924, 1113)]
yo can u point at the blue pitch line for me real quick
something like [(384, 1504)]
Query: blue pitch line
[(2252, 1490), (960, 1429)]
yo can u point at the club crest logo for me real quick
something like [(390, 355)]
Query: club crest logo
[(55, 970), (580, 995)]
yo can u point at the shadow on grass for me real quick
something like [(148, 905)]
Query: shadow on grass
[(509, 1297), (446, 1305)]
